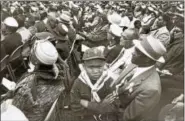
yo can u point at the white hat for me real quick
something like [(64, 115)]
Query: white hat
[(116, 30), (45, 52), (114, 19), (152, 48), (34, 8), (125, 22), (150, 9), (64, 18), (10, 21), (11, 113)]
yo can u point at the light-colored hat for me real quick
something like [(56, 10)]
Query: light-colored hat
[(114, 19), (45, 52), (152, 48), (150, 9), (34, 8), (116, 30), (93, 53), (64, 18), (10, 21)]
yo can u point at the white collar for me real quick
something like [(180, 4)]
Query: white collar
[(140, 70)]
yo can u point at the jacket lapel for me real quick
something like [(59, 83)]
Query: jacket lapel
[(141, 77)]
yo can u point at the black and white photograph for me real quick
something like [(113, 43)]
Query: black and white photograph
[(92, 60)]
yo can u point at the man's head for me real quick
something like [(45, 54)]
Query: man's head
[(52, 21), (94, 62), (148, 51), (161, 21), (137, 24), (10, 25)]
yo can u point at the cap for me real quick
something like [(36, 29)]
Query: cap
[(93, 53)]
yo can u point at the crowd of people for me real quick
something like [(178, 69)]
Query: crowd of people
[(92, 61)]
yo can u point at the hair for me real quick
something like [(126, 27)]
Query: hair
[(11, 29), (137, 22), (31, 20), (20, 19), (43, 15), (17, 11)]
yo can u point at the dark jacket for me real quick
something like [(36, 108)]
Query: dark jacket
[(111, 54), (11, 42), (35, 94), (82, 91), (41, 27), (174, 57), (98, 36)]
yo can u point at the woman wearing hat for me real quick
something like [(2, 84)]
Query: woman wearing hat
[(40, 87), (113, 49)]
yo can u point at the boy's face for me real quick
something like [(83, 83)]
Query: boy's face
[(94, 68)]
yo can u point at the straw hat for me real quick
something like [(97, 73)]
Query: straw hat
[(152, 48)]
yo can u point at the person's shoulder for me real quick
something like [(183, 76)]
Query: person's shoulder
[(78, 83)]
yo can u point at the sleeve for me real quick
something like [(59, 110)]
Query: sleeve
[(142, 103), (99, 35), (22, 95), (102, 108), (76, 107), (95, 21)]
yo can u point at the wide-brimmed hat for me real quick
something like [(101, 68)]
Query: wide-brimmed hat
[(11, 22), (152, 48), (116, 30), (64, 18), (93, 53), (62, 28), (45, 52), (114, 19)]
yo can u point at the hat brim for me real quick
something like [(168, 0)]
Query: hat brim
[(140, 47)]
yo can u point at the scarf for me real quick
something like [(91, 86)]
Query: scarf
[(96, 87)]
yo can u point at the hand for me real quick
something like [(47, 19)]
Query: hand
[(178, 107), (178, 99), (84, 103), (109, 99)]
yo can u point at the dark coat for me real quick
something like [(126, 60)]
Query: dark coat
[(112, 54), (146, 93), (35, 94), (11, 42), (98, 36), (174, 57)]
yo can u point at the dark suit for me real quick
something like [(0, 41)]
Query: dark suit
[(144, 97)]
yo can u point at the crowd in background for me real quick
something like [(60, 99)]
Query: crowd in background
[(54, 36)]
